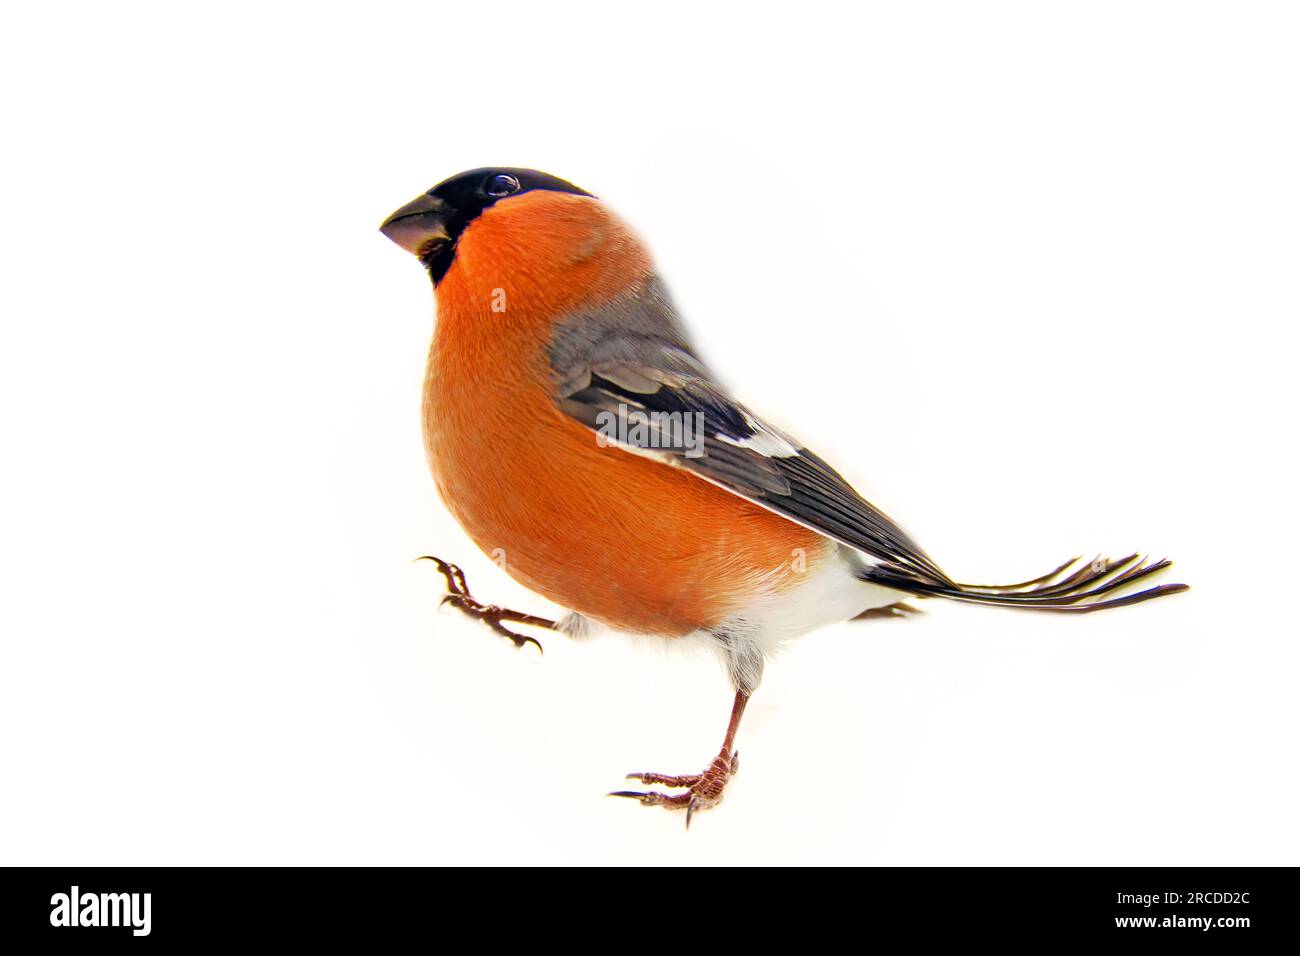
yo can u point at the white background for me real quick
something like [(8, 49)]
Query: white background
[(1026, 273)]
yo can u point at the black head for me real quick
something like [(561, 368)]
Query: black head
[(430, 225)]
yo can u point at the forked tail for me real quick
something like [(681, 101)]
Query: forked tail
[(1076, 590)]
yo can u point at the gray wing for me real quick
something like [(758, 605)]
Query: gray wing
[(628, 372)]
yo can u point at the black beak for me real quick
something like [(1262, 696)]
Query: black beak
[(420, 226)]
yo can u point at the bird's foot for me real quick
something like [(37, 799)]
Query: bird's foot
[(703, 790), (459, 597)]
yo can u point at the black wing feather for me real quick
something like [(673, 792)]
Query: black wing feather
[(800, 486)]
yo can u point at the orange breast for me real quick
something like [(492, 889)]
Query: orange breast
[(616, 537)]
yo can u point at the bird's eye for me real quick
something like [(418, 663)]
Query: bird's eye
[(502, 184)]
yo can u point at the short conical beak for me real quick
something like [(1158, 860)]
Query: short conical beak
[(419, 226)]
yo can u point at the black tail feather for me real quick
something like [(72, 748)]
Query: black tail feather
[(1045, 579), (1063, 590)]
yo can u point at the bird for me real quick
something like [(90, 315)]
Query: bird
[(578, 437)]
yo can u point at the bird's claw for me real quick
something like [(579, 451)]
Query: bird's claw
[(490, 614), (703, 790)]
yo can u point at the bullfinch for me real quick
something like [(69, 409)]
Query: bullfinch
[(578, 436)]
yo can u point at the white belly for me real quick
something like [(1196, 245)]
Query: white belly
[(829, 592)]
